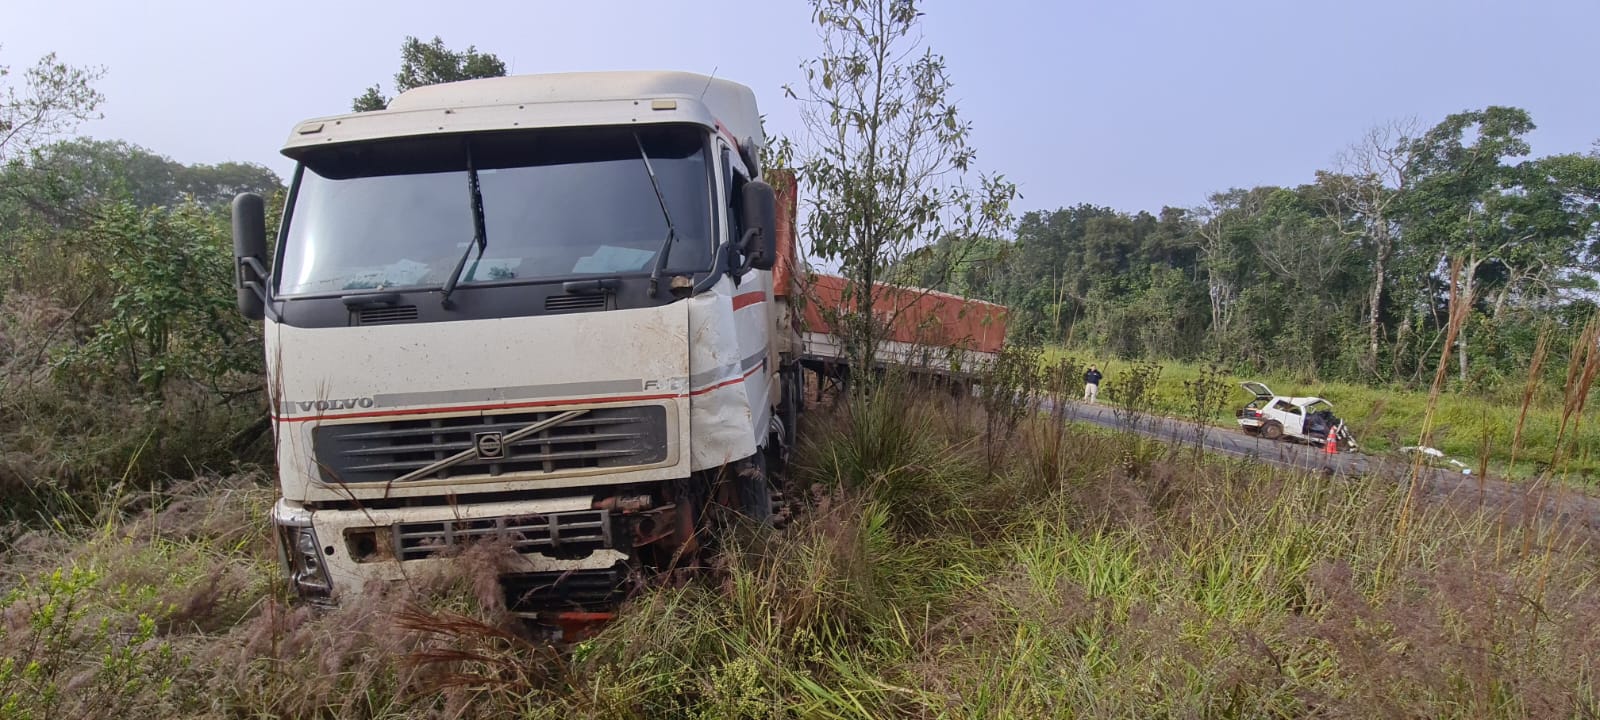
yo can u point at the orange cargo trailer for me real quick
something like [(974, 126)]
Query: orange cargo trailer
[(929, 330), (915, 316)]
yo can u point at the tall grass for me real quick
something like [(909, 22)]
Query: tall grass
[(1078, 578)]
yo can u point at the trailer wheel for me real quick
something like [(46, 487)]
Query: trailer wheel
[(1272, 430)]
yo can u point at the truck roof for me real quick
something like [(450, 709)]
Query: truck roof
[(548, 100)]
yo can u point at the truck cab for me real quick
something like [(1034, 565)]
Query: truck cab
[(533, 310)]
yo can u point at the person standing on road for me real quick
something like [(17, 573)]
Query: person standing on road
[(1091, 385)]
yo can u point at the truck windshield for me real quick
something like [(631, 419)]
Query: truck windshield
[(557, 203)]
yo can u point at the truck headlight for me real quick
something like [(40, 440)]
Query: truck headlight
[(302, 557)]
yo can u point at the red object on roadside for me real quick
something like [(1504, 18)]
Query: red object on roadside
[(576, 626), (1332, 446)]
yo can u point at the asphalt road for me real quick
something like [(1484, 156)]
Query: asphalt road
[(1513, 499)]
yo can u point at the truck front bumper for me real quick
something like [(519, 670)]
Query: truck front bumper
[(331, 553)]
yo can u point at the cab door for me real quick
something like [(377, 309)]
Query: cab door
[(753, 304)]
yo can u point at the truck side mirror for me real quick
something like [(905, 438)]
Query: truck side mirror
[(750, 156), (250, 254), (760, 242)]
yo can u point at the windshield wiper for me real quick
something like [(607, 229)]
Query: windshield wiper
[(672, 231), (480, 236)]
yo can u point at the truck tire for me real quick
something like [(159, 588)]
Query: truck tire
[(752, 489), (793, 400), (1272, 430)]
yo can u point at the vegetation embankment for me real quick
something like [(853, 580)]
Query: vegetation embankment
[(1062, 572)]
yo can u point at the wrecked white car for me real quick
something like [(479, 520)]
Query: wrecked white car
[(1307, 419)]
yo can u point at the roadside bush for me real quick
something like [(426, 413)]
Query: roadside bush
[(892, 447), (122, 362), (1134, 395), (170, 315), (1206, 397), (1009, 387)]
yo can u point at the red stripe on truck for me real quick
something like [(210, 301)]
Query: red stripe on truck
[(745, 300), (477, 408)]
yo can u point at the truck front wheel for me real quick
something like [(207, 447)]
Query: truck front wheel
[(752, 489)]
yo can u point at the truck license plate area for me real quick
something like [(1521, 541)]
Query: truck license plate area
[(543, 592), (379, 452)]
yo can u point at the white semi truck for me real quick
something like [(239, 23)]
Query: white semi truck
[(536, 310), (539, 311)]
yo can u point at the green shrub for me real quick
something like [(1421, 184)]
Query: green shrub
[(122, 361), (171, 311)]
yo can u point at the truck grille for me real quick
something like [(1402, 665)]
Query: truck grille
[(572, 534), (385, 451)]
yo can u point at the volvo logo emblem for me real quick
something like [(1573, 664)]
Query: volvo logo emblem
[(490, 445)]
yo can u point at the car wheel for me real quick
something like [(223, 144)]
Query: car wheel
[(1272, 430)]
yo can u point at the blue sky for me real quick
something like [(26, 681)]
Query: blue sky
[(1133, 104)]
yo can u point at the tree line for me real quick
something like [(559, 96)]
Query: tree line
[(1348, 276)]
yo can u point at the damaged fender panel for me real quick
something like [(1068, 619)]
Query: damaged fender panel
[(729, 373)]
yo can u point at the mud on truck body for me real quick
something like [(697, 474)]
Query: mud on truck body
[(549, 311)]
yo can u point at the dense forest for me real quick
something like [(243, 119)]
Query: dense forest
[(1348, 276)]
